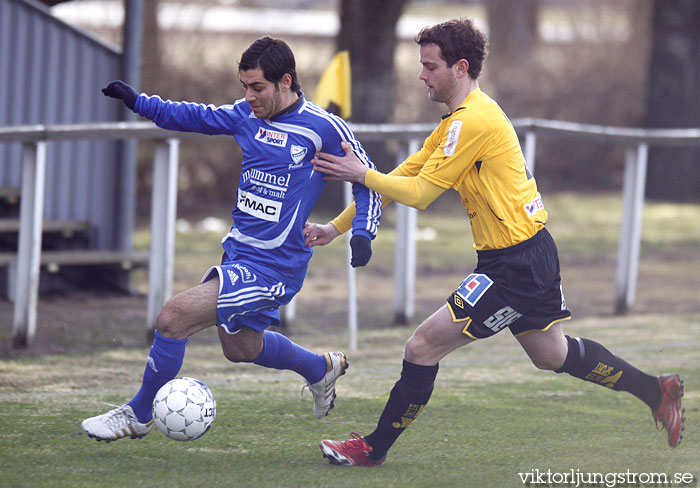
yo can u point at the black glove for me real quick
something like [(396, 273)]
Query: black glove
[(361, 248), (119, 89)]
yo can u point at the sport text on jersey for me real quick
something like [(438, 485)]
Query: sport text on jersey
[(271, 137)]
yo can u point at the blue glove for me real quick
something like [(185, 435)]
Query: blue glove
[(122, 91), (361, 247)]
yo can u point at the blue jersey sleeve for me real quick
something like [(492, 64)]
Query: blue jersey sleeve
[(368, 203), (187, 116)]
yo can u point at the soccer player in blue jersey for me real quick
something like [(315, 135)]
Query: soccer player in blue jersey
[(516, 284), (265, 256)]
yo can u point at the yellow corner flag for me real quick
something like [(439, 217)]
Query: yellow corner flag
[(334, 87)]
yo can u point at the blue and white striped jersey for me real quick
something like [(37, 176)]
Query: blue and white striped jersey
[(278, 186)]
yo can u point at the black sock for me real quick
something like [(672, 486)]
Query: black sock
[(406, 400), (590, 361)]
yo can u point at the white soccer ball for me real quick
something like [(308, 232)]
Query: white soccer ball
[(184, 409)]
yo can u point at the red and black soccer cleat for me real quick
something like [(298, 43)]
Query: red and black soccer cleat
[(353, 452), (670, 414)]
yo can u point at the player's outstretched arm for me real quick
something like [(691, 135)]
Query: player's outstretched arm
[(179, 116), (121, 91)]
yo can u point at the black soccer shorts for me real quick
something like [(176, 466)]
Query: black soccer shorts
[(518, 287)]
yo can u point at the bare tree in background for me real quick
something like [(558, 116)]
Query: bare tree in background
[(673, 97), (512, 41), (151, 67), (368, 32), (512, 28)]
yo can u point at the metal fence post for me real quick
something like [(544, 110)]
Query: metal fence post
[(163, 213), (405, 254), (530, 146), (288, 314), (630, 228), (29, 246), (352, 282)]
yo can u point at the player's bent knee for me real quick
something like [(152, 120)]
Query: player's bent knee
[(547, 363), (168, 323), (411, 347), (243, 347), (237, 354), (417, 349)]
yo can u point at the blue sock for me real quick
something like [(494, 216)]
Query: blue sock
[(164, 362), (280, 353)]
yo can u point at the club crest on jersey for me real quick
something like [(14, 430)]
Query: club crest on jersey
[(534, 206), (271, 137), (298, 153)]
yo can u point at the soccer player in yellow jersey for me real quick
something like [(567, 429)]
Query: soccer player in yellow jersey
[(516, 283)]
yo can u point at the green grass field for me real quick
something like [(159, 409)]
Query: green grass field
[(492, 416)]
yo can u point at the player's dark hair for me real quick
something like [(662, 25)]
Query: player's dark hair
[(457, 39), (274, 57)]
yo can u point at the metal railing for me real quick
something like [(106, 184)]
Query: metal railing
[(637, 142), (164, 198), (33, 139)]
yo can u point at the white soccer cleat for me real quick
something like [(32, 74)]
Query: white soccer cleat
[(324, 390), (115, 424)]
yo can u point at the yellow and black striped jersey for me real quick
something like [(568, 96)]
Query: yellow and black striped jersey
[(476, 152)]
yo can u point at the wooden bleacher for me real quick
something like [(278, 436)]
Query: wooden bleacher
[(68, 231), (53, 260), (67, 228), (10, 194)]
